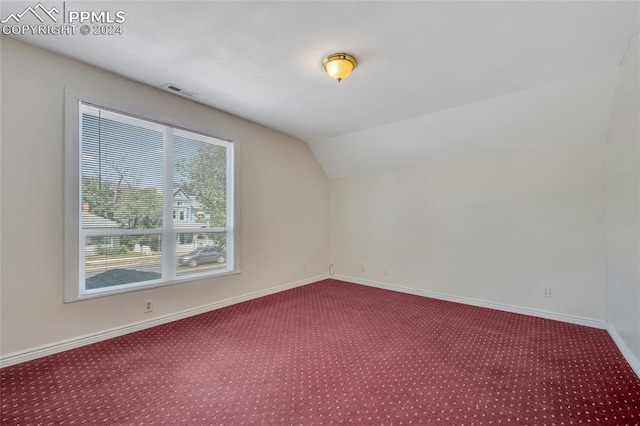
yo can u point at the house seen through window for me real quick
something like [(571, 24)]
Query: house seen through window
[(156, 203)]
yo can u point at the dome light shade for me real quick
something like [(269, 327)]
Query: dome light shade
[(339, 65)]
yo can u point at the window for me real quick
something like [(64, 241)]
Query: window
[(124, 174)]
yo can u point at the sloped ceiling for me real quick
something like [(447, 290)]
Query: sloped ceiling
[(558, 115), (262, 60)]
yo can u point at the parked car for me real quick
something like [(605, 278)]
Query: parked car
[(200, 255)]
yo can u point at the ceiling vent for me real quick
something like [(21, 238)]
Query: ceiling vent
[(170, 87)]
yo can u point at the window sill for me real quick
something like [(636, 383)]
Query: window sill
[(151, 286)]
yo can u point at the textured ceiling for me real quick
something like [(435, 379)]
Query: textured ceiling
[(262, 60)]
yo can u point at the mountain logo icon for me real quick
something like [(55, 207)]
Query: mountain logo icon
[(38, 11)]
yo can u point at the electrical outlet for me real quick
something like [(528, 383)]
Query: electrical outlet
[(363, 267), (148, 306), (546, 292), (304, 267), (385, 271)]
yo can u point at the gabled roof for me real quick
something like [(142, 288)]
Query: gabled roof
[(91, 221), (179, 194)]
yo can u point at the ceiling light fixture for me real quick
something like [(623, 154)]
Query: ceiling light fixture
[(339, 65)]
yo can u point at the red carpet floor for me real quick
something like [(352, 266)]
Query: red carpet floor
[(334, 353)]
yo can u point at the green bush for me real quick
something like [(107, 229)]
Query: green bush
[(110, 251)]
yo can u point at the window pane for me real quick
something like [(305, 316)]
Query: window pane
[(141, 181), (123, 259), (121, 172), (200, 252), (200, 182)]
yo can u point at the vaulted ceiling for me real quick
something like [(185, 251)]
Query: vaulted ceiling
[(262, 60)]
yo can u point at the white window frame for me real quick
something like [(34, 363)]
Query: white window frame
[(74, 244)]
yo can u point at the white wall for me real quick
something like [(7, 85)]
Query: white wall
[(623, 204), (496, 229), (490, 201), (283, 203)]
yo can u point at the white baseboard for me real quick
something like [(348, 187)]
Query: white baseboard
[(31, 354), (626, 352), (480, 303)]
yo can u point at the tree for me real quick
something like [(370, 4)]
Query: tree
[(205, 177), (98, 196), (119, 199), (140, 208)]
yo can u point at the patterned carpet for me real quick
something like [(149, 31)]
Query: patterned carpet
[(334, 353)]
